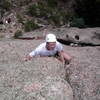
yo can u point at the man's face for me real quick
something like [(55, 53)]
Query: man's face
[(50, 45)]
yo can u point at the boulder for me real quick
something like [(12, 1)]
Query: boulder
[(82, 37), (38, 79), (83, 72), (46, 78)]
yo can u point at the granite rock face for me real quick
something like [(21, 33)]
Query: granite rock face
[(85, 37), (46, 78), (38, 79), (83, 73)]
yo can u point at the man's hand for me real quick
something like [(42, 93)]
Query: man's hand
[(27, 58)]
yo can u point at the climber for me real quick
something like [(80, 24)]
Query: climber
[(51, 47)]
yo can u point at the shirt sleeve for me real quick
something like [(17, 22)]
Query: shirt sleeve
[(32, 54), (36, 51), (59, 47)]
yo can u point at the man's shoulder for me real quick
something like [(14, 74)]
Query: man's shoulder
[(42, 45), (58, 43)]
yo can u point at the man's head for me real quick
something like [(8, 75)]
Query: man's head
[(50, 41)]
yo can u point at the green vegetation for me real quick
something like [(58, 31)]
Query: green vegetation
[(51, 12), (4, 4), (30, 25), (52, 3), (80, 13), (86, 12), (20, 19), (89, 10), (1, 36), (32, 10), (24, 2), (18, 33), (78, 22)]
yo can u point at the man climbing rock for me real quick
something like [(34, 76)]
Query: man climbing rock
[(50, 48)]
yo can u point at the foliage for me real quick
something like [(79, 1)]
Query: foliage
[(30, 25), (18, 33), (89, 10), (78, 22), (54, 20), (52, 3), (32, 10), (20, 19), (51, 12), (24, 2), (4, 4)]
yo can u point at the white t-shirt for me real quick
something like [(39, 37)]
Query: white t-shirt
[(42, 50)]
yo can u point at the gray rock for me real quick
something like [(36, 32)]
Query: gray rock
[(38, 79), (87, 36), (42, 77), (83, 73)]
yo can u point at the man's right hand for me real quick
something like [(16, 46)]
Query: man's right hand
[(27, 58)]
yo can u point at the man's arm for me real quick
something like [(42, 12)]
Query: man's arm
[(28, 58), (64, 57), (34, 53)]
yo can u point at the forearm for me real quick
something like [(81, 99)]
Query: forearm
[(64, 57), (60, 57)]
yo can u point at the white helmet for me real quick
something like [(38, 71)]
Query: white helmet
[(51, 38)]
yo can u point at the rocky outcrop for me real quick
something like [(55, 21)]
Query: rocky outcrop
[(44, 78), (69, 36), (83, 72), (81, 37), (38, 79)]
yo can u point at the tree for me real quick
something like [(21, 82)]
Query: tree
[(89, 10)]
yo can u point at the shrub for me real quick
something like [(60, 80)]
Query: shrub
[(4, 4), (24, 2), (89, 10), (55, 20), (30, 25), (49, 11), (66, 16), (20, 19), (43, 10), (32, 10), (52, 3), (38, 10), (18, 33), (1, 36), (78, 22)]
